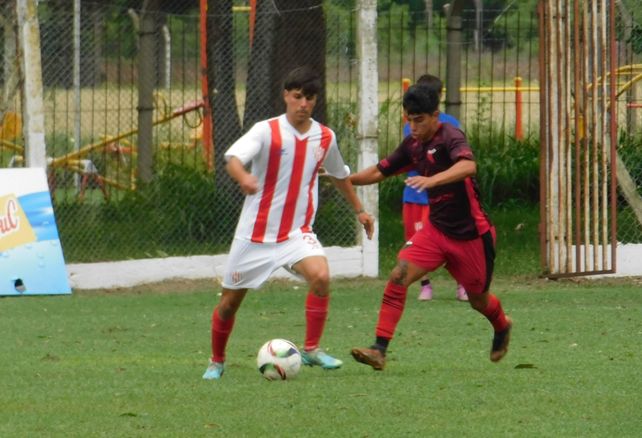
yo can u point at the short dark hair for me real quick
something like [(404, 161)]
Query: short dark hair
[(305, 79), (420, 99), (431, 81)]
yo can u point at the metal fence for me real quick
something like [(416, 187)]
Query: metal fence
[(103, 209), (629, 97)]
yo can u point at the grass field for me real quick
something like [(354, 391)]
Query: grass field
[(129, 363)]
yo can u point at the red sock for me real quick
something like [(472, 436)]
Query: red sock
[(495, 314), (316, 311), (392, 305), (220, 334)]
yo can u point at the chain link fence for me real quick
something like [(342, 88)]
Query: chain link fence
[(629, 92), (121, 83)]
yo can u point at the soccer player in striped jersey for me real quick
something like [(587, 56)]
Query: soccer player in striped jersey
[(458, 233), (275, 226)]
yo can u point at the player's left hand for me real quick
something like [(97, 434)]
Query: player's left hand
[(418, 183), (367, 221)]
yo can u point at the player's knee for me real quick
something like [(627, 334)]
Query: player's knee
[(320, 282), (225, 311), (228, 306), (397, 275)]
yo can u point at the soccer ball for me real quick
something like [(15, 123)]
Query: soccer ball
[(278, 359)]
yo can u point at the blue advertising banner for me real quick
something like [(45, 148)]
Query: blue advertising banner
[(31, 259)]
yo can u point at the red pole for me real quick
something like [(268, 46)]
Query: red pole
[(206, 136), (405, 84), (252, 20), (519, 133)]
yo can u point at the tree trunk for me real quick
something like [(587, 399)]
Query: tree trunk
[(299, 40), (220, 77), (258, 103), (429, 13), (98, 36), (288, 34), (146, 79), (11, 71)]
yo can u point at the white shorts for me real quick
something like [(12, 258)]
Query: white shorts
[(250, 264)]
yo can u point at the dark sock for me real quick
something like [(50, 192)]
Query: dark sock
[(425, 282), (381, 344)]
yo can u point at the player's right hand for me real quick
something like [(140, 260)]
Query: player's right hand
[(249, 184)]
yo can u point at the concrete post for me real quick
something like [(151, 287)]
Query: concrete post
[(367, 129), (33, 107)]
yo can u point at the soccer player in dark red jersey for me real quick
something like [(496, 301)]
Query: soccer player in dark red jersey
[(458, 234)]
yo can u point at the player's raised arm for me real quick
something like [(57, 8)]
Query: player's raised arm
[(367, 176)]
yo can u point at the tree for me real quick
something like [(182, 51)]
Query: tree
[(222, 86), (258, 104), (288, 34)]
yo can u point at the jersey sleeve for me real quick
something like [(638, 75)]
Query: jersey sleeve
[(398, 161), (249, 145), (333, 163), (458, 147)]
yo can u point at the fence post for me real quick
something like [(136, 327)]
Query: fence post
[(519, 133), (206, 134), (368, 110), (33, 110)]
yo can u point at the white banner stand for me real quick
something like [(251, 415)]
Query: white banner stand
[(31, 260)]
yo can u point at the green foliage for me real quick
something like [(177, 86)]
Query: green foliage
[(507, 168), (180, 213), (630, 151), (334, 222), (391, 235), (130, 364)]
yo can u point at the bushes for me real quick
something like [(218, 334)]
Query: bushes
[(507, 169), (180, 213), (183, 212)]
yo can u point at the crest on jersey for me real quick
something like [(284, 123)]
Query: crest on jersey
[(319, 152), (430, 154), (236, 276)]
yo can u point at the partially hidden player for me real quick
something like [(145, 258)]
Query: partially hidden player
[(458, 234), (275, 226)]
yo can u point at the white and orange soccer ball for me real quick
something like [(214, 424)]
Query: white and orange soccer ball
[(279, 359)]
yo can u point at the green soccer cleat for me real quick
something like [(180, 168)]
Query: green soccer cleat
[(214, 371), (320, 358)]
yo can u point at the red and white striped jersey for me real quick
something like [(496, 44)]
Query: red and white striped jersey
[(286, 164)]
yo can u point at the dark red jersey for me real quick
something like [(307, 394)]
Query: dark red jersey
[(455, 208)]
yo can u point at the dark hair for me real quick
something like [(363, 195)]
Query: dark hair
[(304, 79), (432, 82), (420, 99)]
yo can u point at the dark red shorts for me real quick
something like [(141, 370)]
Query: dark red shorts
[(470, 262), (415, 217)]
